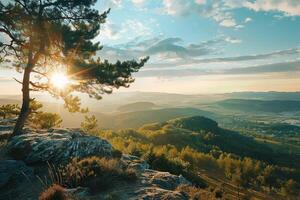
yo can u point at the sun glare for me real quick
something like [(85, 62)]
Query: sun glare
[(59, 80)]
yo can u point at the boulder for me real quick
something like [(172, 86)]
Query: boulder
[(134, 163), (5, 131), (157, 185), (57, 146), (13, 171), (8, 121), (165, 180), (6, 128), (154, 193)]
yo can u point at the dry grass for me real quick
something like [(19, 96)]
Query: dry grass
[(96, 173), (195, 193), (54, 192)]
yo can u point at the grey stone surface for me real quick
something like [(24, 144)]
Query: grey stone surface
[(135, 163), (164, 180), (58, 146), (5, 131), (155, 193)]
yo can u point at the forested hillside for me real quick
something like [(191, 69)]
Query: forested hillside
[(199, 149)]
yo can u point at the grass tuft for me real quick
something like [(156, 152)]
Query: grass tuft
[(54, 192)]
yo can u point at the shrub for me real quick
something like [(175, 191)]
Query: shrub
[(45, 120), (218, 193), (194, 193), (9, 110), (54, 192), (96, 173), (174, 166), (117, 154), (89, 124)]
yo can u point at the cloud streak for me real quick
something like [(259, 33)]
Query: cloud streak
[(286, 67), (167, 49)]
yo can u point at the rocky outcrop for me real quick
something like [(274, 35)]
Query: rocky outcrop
[(57, 146), (155, 193), (134, 163), (165, 180), (5, 131), (157, 185)]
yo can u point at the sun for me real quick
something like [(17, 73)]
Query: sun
[(59, 80)]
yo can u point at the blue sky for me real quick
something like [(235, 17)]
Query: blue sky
[(206, 46)]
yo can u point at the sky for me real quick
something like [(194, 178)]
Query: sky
[(202, 46)]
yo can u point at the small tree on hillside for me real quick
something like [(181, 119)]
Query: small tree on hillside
[(9, 110), (89, 123), (56, 36), (40, 119)]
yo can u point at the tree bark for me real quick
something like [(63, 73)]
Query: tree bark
[(25, 110)]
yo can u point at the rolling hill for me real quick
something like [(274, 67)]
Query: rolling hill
[(139, 118), (137, 106)]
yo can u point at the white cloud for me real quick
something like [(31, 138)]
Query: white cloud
[(138, 2), (129, 29), (110, 31), (200, 1), (177, 7), (248, 19), (233, 40), (167, 50), (115, 3), (221, 10), (136, 28), (214, 9), (288, 7), (228, 23)]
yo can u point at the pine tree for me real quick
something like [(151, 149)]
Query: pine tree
[(45, 36)]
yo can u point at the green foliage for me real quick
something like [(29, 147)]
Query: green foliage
[(195, 192), (36, 119), (96, 173), (73, 104), (196, 123), (45, 120), (9, 110), (35, 106), (89, 124), (40, 119), (178, 150), (54, 192)]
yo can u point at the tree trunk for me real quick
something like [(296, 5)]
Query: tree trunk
[(25, 110)]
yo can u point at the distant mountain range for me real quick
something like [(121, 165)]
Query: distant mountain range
[(272, 95), (137, 106), (248, 105), (133, 109)]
